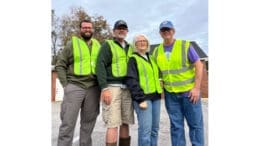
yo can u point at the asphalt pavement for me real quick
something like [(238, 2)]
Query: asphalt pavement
[(98, 136)]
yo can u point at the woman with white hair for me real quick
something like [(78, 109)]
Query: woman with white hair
[(143, 82)]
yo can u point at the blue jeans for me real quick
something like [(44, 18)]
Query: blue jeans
[(178, 107), (148, 122)]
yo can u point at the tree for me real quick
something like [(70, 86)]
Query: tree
[(102, 30), (54, 32), (63, 28), (70, 25), (54, 35)]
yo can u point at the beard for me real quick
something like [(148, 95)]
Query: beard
[(86, 36), (121, 36)]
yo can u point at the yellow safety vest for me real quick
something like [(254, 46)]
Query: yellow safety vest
[(84, 61), (148, 75), (177, 73), (119, 59)]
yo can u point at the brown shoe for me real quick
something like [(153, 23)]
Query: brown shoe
[(111, 144), (124, 141)]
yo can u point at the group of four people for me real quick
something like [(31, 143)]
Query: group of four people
[(127, 78)]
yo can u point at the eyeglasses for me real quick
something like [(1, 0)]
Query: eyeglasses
[(86, 27), (140, 41), (165, 29)]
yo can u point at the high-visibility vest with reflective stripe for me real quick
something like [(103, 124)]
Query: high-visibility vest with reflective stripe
[(177, 73), (84, 61), (148, 75), (119, 59)]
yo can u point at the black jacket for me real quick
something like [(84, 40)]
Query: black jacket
[(104, 68), (132, 82)]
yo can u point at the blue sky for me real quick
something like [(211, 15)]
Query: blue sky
[(190, 17)]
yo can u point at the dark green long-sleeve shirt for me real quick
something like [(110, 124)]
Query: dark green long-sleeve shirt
[(65, 70), (104, 68)]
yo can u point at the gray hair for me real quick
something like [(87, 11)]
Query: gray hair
[(135, 40)]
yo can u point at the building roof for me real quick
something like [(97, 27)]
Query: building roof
[(197, 48)]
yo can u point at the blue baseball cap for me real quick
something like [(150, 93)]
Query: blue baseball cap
[(166, 24)]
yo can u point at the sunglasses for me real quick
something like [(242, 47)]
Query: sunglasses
[(121, 28), (165, 29)]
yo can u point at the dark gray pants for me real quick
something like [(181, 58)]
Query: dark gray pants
[(76, 98)]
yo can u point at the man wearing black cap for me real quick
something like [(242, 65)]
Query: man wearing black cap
[(181, 70), (117, 109)]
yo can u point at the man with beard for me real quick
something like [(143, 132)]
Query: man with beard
[(76, 71), (117, 109)]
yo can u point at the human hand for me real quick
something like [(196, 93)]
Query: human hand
[(162, 95), (106, 96), (194, 95), (143, 105)]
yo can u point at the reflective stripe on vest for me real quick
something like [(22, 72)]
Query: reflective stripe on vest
[(119, 59), (84, 61), (148, 75), (178, 73), (181, 83), (94, 54)]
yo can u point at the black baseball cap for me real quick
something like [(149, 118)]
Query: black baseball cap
[(120, 23)]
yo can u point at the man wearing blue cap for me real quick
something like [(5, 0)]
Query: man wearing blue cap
[(181, 71)]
